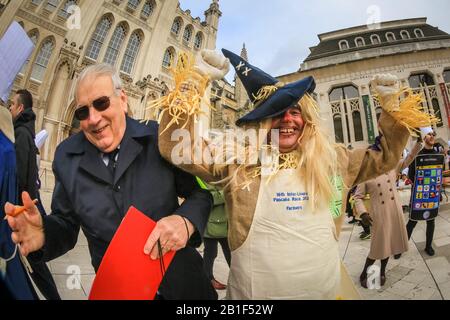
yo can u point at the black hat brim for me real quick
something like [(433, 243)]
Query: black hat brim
[(280, 101)]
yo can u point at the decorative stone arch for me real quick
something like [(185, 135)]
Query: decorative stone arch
[(390, 35), (34, 31), (198, 40), (347, 112), (176, 30), (54, 112), (121, 48), (188, 33), (140, 33), (343, 45), (342, 85), (360, 42), (125, 24), (422, 72), (127, 54), (148, 8), (418, 33), (59, 89), (404, 34), (375, 36), (72, 125), (172, 52), (38, 48)]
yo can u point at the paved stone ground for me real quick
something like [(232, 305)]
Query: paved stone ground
[(415, 276)]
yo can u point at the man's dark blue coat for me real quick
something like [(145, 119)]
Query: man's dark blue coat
[(87, 195)]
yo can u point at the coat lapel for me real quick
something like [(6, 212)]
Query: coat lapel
[(129, 150), (91, 162), (130, 146)]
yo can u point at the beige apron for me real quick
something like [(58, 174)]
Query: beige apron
[(290, 252)]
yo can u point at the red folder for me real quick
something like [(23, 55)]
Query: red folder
[(125, 272)]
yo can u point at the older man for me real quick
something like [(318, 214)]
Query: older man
[(100, 172)]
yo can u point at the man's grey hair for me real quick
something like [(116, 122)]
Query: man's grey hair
[(98, 70)]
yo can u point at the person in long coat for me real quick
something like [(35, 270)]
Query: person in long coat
[(388, 229)]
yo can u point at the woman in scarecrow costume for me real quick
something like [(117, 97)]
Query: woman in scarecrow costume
[(282, 234)]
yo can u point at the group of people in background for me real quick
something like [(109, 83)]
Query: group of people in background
[(379, 206)]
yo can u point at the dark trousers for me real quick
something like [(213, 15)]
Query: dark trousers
[(429, 233), (41, 275), (44, 281), (210, 254)]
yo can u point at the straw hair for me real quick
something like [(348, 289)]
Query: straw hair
[(318, 157)]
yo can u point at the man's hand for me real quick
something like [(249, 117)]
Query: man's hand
[(172, 233), (27, 227), (386, 86), (366, 219), (212, 63)]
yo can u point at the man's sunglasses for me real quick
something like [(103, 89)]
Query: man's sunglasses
[(100, 104)]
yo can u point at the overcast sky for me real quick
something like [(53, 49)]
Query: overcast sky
[(278, 33)]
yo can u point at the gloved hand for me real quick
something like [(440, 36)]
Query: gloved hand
[(386, 86), (366, 219), (212, 63)]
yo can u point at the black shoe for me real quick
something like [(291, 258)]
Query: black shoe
[(382, 280), (363, 280), (397, 256), (429, 251), (353, 221)]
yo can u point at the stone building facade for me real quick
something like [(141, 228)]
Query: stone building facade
[(141, 38), (344, 62)]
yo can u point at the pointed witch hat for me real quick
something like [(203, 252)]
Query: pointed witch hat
[(269, 96)]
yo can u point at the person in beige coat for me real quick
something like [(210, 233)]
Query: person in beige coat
[(283, 240), (388, 228)]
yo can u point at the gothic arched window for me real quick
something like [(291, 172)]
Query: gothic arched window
[(176, 26), (42, 59), (98, 38), (169, 56), (131, 53), (187, 35), (114, 45), (148, 8)]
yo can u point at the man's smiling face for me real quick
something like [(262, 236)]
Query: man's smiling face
[(290, 125), (104, 129)]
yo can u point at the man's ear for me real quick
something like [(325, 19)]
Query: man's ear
[(123, 101)]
